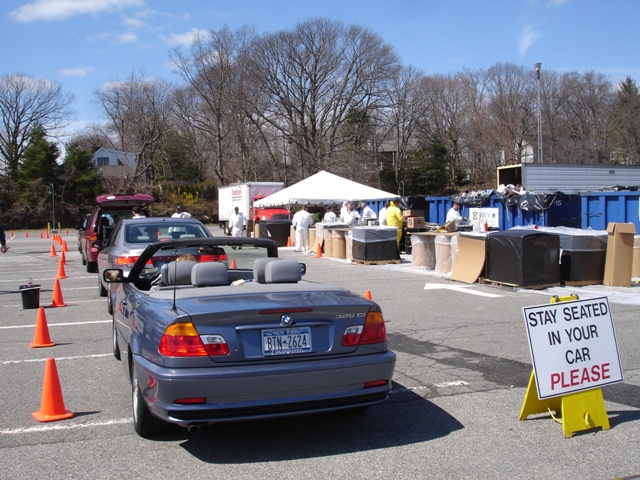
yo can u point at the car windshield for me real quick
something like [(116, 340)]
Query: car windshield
[(152, 232)]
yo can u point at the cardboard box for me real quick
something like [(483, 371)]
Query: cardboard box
[(619, 258), (415, 222), (635, 269), (413, 213), (471, 258)]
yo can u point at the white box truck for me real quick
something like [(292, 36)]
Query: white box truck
[(243, 195)]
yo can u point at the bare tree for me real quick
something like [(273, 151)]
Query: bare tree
[(139, 113), (218, 105), (406, 108), (27, 103), (588, 112), (313, 77), (511, 111)]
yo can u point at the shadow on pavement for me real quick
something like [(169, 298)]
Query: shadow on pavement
[(404, 419)]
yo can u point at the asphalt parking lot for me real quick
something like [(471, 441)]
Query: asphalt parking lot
[(462, 370)]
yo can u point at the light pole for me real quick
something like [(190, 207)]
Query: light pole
[(53, 207), (538, 67)]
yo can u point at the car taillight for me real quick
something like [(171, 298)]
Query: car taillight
[(93, 238), (373, 331), (183, 340), (128, 262), (212, 258), (351, 337)]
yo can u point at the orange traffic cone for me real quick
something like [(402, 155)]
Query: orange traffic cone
[(233, 264), (367, 294), (41, 337), (61, 272), (46, 234), (53, 251), (64, 245), (41, 235), (56, 300), (66, 231), (52, 405), (26, 234), (289, 244), (318, 251), (63, 257), (12, 233)]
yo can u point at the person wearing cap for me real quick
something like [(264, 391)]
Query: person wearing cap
[(453, 215), (366, 213), (329, 216), (180, 214)]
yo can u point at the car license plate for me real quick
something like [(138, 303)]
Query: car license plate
[(285, 341)]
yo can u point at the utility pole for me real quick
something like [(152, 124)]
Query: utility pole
[(538, 68)]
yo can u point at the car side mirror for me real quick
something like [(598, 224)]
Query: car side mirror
[(303, 268), (99, 244), (113, 275)]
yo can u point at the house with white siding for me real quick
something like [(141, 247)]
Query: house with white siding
[(113, 163)]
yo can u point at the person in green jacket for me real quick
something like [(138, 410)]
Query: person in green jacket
[(394, 218)]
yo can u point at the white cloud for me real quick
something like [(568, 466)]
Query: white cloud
[(183, 39), (133, 22), (528, 36), (128, 37), (48, 10), (75, 71)]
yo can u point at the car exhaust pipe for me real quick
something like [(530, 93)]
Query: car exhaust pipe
[(193, 428)]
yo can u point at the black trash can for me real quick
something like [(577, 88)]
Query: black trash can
[(30, 296)]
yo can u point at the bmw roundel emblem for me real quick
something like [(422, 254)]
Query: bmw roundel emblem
[(286, 319)]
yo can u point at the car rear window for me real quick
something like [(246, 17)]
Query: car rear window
[(162, 231)]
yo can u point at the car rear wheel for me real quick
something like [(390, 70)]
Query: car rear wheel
[(144, 423), (84, 261), (116, 347), (110, 304), (92, 267), (103, 291)]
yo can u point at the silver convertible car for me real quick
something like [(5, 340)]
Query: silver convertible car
[(218, 341)]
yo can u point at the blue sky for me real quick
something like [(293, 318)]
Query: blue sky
[(84, 44)]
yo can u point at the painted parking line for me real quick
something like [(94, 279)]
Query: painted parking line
[(461, 289), (454, 383), (9, 327), (36, 360), (72, 302), (50, 428)]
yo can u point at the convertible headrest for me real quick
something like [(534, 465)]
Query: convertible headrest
[(209, 274), (284, 271), (178, 272), (259, 266)]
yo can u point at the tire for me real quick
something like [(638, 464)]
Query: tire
[(144, 423), (84, 261), (116, 347), (110, 304), (101, 290), (92, 267)]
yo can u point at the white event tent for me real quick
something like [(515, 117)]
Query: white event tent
[(323, 188)]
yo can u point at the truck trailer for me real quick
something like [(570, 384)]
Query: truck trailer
[(243, 196), (569, 178)]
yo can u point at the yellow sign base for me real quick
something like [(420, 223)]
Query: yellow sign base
[(579, 411)]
